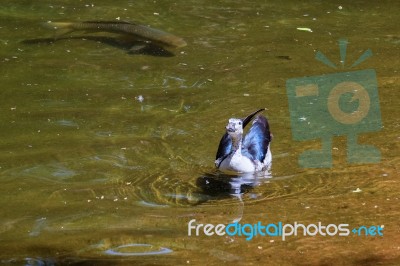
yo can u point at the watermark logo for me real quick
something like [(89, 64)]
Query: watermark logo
[(338, 104), (282, 230)]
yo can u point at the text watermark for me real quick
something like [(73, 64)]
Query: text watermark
[(282, 230), (337, 104)]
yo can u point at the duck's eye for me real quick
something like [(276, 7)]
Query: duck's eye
[(240, 123)]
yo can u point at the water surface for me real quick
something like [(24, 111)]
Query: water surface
[(104, 152)]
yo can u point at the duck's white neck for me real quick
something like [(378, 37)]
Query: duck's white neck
[(236, 143)]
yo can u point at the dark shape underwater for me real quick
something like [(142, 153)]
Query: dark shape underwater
[(130, 45)]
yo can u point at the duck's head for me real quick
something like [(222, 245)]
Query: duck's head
[(235, 127)]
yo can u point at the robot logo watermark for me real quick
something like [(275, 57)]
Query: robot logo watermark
[(344, 103)]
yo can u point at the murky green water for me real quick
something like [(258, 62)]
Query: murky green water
[(91, 174)]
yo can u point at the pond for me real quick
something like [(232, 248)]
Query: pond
[(107, 155)]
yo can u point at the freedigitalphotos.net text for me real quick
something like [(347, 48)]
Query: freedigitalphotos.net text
[(279, 229)]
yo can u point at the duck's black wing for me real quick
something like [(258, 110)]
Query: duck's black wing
[(224, 148), (250, 116), (256, 142)]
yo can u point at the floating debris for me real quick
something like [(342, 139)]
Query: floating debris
[(305, 29), (357, 190), (286, 57), (139, 98)]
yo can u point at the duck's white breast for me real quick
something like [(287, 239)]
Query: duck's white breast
[(237, 162)]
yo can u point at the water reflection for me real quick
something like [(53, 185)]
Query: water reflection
[(223, 185), (220, 185), (37, 228), (30, 261)]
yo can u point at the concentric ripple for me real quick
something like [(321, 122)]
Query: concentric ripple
[(134, 250)]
